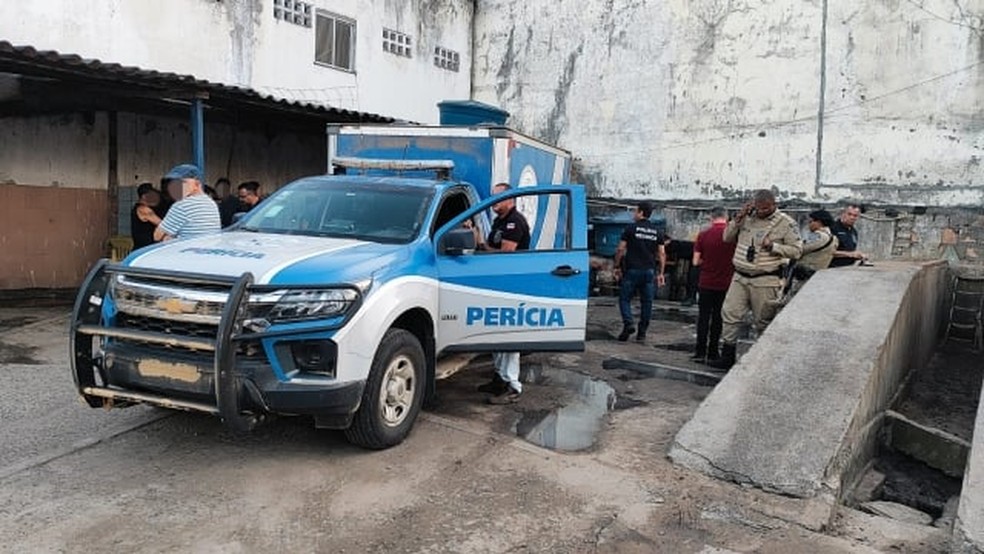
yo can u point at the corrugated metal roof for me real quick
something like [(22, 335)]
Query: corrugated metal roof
[(27, 60)]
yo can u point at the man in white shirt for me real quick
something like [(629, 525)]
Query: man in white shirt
[(195, 214)]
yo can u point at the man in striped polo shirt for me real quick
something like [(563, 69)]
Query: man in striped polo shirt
[(196, 214)]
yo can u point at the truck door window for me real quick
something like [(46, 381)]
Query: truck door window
[(451, 206)]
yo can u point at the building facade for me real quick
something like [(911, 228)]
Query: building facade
[(878, 101), (398, 58), (108, 109)]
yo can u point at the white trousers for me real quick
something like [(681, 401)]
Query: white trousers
[(507, 366)]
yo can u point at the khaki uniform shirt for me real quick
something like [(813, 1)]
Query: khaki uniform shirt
[(818, 249), (786, 245)]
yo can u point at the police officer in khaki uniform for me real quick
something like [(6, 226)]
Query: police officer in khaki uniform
[(767, 239)]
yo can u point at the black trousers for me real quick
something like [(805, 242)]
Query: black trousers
[(709, 321)]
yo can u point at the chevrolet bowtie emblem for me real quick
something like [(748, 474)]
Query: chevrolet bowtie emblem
[(176, 306)]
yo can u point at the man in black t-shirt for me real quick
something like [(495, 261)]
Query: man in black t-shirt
[(510, 232), (640, 248), (847, 237)]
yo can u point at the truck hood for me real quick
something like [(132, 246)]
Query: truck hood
[(271, 258)]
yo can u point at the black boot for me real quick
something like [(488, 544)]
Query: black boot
[(727, 358), (700, 355), (712, 353), (627, 330), (641, 335)]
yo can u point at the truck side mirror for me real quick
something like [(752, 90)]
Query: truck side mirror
[(457, 241)]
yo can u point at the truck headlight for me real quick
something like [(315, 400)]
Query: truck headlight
[(300, 304)]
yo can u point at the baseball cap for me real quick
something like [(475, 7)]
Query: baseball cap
[(185, 171)]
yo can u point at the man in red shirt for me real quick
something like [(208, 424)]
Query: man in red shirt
[(713, 256)]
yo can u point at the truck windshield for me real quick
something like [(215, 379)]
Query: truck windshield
[(364, 211)]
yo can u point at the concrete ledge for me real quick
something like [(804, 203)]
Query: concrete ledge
[(799, 414), (968, 529)]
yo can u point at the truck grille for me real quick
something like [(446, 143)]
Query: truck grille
[(169, 303), (246, 349)]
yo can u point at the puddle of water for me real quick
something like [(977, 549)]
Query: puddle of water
[(574, 426)]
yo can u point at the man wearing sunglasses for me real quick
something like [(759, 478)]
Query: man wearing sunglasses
[(767, 240)]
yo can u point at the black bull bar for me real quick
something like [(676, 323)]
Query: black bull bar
[(86, 324)]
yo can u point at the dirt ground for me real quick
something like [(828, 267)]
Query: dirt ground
[(75, 479)]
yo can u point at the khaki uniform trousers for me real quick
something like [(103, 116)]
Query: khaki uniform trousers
[(760, 294)]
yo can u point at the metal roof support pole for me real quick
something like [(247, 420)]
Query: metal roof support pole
[(198, 132)]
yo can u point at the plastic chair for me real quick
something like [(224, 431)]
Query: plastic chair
[(119, 247)]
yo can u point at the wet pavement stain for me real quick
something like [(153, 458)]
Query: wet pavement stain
[(18, 354), (9, 323), (676, 315), (574, 426), (676, 346)]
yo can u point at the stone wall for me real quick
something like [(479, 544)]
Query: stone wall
[(898, 233)]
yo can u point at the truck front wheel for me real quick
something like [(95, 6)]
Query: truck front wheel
[(394, 392)]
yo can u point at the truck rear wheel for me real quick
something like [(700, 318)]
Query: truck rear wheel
[(394, 392)]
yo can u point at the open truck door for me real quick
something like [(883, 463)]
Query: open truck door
[(532, 300)]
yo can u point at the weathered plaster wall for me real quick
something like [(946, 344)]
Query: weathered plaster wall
[(239, 42), (55, 202), (59, 151), (688, 99)]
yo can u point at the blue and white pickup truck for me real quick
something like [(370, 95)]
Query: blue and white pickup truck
[(338, 295)]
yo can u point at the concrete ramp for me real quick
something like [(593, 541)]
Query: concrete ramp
[(799, 413)]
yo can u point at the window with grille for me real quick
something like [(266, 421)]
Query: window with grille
[(446, 59), (334, 37), (292, 11), (397, 43)]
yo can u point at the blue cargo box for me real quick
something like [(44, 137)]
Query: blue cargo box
[(482, 156), (606, 231)]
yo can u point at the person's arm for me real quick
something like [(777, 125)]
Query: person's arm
[(504, 246), (734, 224), (169, 226), (855, 254), (619, 256), (788, 244), (661, 278), (147, 215), (696, 259), (160, 235)]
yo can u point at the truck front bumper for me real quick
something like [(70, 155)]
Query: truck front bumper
[(192, 373)]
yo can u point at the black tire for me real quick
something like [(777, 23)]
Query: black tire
[(385, 418)]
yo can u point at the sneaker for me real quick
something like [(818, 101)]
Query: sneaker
[(627, 331), (495, 386), (508, 396)]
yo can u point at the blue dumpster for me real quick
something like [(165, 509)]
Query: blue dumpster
[(606, 231), (470, 112)]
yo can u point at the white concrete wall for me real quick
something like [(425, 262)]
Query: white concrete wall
[(238, 42), (687, 99)]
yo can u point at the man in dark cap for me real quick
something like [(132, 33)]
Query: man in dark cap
[(195, 214)]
